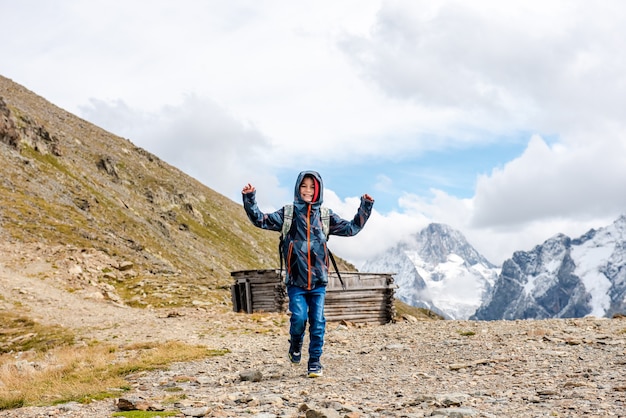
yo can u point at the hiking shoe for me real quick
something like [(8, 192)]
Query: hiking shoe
[(315, 369), (295, 352), (295, 357)]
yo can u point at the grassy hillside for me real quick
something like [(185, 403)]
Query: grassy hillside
[(69, 184)]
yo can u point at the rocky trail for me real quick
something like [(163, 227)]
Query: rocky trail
[(547, 368)]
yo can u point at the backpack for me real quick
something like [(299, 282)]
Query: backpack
[(287, 220)]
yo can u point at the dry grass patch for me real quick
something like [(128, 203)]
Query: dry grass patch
[(85, 373), (19, 333)]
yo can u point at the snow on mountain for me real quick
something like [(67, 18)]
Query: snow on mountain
[(438, 269), (563, 278)]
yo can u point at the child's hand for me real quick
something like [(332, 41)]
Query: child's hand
[(368, 197), (248, 188)]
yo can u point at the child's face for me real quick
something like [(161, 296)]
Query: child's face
[(307, 189)]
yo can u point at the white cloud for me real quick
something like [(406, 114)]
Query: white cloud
[(563, 188), (252, 88), (380, 232), (383, 184), (493, 68), (500, 66), (201, 138), (566, 180)]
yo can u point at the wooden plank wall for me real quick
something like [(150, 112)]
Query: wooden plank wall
[(368, 297)]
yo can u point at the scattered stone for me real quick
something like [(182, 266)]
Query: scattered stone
[(322, 413), (409, 318), (401, 370), (125, 265), (132, 404), (452, 399), (70, 406), (454, 412), (195, 412), (251, 375)]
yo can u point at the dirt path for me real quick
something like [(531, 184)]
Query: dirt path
[(31, 285), (28, 288), (90, 316)]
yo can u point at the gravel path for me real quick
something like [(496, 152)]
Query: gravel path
[(563, 368), (550, 368)]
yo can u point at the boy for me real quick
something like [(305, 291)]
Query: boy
[(306, 258)]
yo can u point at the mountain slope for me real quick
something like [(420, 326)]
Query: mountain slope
[(563, 278), (72, 186), (439, 270)]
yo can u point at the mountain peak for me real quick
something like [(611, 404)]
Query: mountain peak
[(438, 269), (563, 278), (437, 242)]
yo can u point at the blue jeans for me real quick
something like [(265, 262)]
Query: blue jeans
[(308, 304)]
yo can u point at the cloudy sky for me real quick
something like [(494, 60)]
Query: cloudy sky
[(504, 120)]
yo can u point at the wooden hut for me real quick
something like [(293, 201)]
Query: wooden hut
[(368, 297)]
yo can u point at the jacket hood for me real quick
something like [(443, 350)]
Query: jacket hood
[(319, 188)]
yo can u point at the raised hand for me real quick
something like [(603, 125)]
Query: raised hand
[(248, 188)]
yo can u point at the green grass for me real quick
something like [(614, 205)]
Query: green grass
[(145, 414)]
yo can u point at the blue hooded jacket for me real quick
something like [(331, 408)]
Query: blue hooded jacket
[(304, 246)]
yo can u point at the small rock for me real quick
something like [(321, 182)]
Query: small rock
[(409, 318), (125, 265), (454, 412), (322, 413), (251, 375), (132, 404), (195, 412)]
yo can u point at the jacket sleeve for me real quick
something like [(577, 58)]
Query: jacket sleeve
[(344, 228), (272, 221)]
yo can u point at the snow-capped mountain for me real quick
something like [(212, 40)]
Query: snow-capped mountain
[(438, 269), (563, 278)]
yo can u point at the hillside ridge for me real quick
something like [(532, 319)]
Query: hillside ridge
[(66, 181)]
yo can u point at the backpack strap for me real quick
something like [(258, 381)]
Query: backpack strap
[(332, 258), (287, 220), (325, 214)]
